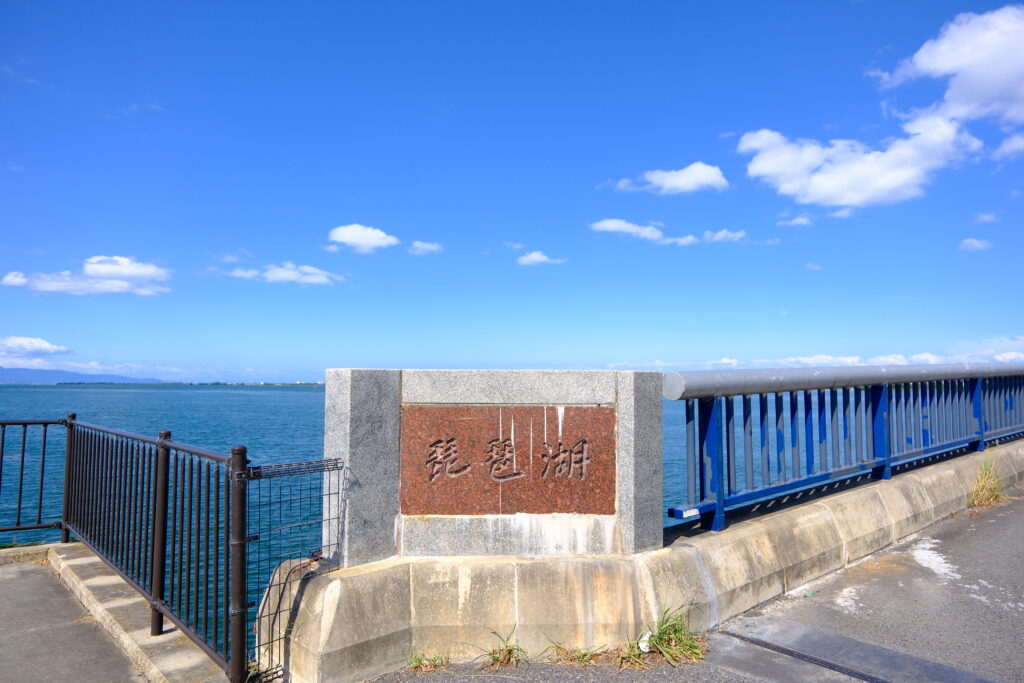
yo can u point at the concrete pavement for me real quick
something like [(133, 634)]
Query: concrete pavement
[(46, 634), (952, 594)]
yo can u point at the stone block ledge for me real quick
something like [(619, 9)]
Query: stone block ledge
[(359, 622), (124, 614)]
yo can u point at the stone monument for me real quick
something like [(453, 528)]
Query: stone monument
[(494, 462)]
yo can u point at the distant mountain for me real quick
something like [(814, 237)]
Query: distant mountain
[(33, 376)]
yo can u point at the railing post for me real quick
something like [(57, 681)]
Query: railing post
[(978, 411), (239, 606), (880, 432), (158, 557), (712, 453), (69, 448)]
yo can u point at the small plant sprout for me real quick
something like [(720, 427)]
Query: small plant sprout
[(421, 662), (506, 654), (673, 641), (630, 656), (573, 656), (669, 639), (987, 490)]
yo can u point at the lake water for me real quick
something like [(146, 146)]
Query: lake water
[(277, 424)]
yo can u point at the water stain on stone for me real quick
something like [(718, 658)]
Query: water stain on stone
[(880, 566)]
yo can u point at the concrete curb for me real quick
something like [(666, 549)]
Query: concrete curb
[(124, 615), (449, 605), (755, 561), (26, 553)]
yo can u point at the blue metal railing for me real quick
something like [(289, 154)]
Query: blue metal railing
[(751, 436)]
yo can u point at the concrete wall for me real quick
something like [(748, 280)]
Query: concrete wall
[(356, 623), (362, 426)]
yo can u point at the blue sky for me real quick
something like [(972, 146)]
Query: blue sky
[(257, 191)]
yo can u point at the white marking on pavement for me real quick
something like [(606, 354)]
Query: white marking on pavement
[(925, 555), (847, 600)]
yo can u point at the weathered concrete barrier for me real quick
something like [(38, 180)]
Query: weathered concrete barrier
[(355, 623), (365, 619)]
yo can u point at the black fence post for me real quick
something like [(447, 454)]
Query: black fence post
[(69, 448), (239, 604), (158, 558)]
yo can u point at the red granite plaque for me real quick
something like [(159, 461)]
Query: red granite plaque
[(478, 460)]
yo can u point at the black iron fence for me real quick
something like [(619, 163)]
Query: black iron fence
[(203, 536), (25, 470)]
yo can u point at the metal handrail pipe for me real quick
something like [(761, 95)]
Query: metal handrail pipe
[(173, 445), (707, 383), (30, 423), (118, 432), (196, 450)]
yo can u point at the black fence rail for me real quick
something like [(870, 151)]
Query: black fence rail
[(30, 466), (169, 518), (221, 549)]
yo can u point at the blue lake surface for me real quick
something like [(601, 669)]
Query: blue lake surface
[(276, 423)]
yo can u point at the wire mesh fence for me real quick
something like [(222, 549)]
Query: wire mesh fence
[(294, 512)]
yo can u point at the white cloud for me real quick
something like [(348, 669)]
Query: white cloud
[(100, 275), (1011, 147), (236, 256), (123, 268), (513, 245), (15, 279), (361, 238), (245, 273), (981, 56), (999, 350), (972, 244), (812, 266), (841, 213), (29, 346), (901, 359), (652, 233), (848, 173), (534, 258), (986, 218), (288, 272), (724, 235), (28, 352), (696, 176), (684, 241), (644, 232), (420, 248), (802, 219)]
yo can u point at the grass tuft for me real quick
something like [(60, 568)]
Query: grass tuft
[(423, 663), (669, 639), (573, 656), (630, 656), (506, 654), (987, 490)]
